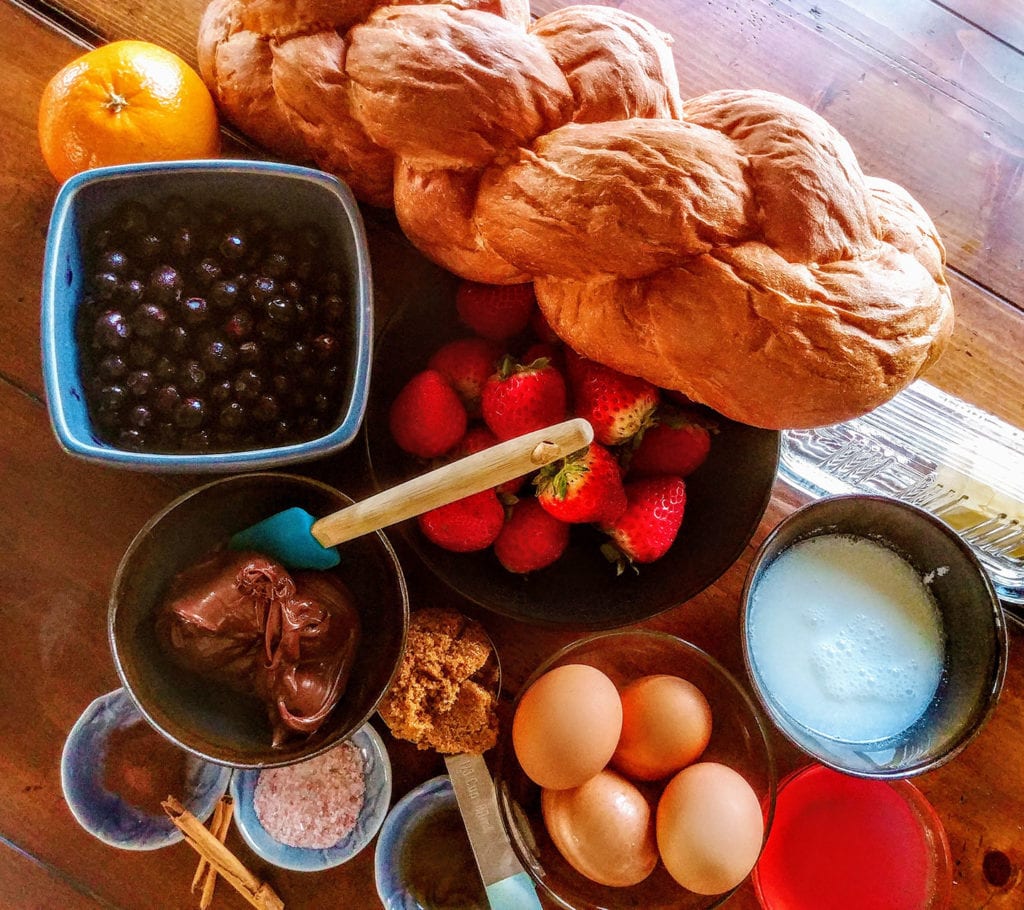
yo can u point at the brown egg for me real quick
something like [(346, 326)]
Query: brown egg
[(709, 828), (604, 829), (566, 726), (666, 724)]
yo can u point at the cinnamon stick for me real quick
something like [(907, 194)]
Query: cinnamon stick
[(228, 866), (218, 811), (220, 831)]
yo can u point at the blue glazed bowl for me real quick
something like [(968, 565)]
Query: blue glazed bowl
[(419, 814), (104, 814), (377, 768), (295, 195)]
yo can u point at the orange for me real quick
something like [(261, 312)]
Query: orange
[(125, 102)]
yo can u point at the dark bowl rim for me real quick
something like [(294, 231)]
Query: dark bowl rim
[(999, 631), (215, 462), (762, 723), (137, 541), (500, 603)]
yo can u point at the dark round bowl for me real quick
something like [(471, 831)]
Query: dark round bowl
[(726, 498), (976, 645), (204, 717), (739, 739)]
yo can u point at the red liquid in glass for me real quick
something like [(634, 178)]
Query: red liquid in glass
[(844, 843)]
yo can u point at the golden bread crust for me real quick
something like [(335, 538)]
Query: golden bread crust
[(727, 246)]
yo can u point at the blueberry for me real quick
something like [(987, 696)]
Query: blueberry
[(195, 310), (139, 383), (223, 293), (111, 331), (178, 339), (165, 285), (113, 261), (113, 366), (221, 392), (105, 285), (191, 377), (182, 242), (166, 400), (190, 414), (233, 245), (239, 325), (140, 416), (280, 310), (248, 385), (148, 247), (148, 320), (326, 347), (231, 417), (266, 409), (261, 289), (142, 354), (112, 397), (207, 271), (249, 353)]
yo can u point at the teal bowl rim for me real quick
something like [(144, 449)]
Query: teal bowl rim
[(301, 859), (90, 815)]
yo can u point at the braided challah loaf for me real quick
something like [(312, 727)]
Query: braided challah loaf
[(727, 246)]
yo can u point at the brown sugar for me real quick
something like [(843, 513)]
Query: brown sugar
[(444, 695)]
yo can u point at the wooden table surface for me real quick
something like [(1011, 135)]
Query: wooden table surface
[(930, 94)]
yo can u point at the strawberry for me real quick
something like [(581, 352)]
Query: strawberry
[(616, 405), (521, 398), (648, 527), (675, 443), (543, 349), (467, 363), (495, 311), (476, 440), (541, 328), (427, 416), (586, 486), (531, 538), (470, 523)]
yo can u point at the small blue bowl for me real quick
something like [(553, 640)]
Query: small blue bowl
[(421, 814), (295, 195), (104, 814), (377, 768)]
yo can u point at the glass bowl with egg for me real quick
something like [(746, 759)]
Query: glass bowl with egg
[(636, 772), (872, 636)]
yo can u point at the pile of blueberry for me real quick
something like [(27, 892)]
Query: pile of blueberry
[(203, 329)]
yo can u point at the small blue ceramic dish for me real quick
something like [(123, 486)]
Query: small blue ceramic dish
[(423, 856), (377, 798), (292, 196), (106, 815)]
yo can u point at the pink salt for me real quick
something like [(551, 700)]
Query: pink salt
[(315, 803)]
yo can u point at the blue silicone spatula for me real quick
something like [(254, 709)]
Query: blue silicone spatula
[(301, 541)]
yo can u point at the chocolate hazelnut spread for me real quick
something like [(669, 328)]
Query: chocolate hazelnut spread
[(243, 620)]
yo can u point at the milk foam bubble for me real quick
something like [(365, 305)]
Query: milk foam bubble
[(846, 637)]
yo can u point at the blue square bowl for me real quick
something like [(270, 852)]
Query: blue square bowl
[(293, 196)]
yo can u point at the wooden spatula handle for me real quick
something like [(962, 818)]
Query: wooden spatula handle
[(464, 477)]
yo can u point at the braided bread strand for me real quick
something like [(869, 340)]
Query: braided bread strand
[(728, 246)]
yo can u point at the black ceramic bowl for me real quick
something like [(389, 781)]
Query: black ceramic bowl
[(726, 498), (210, 720), (975, 646)]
